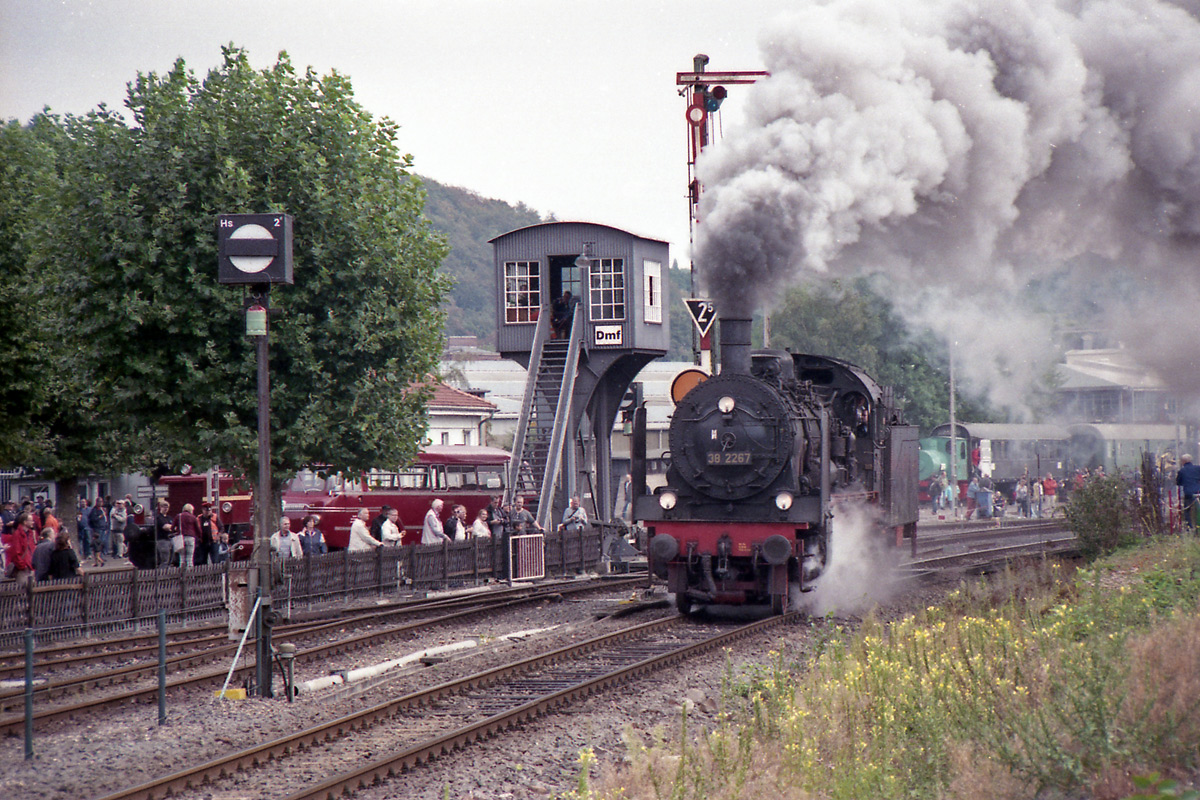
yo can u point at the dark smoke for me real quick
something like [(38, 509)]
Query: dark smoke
[(967, 147)]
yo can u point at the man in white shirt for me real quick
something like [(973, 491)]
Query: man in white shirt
[(432, 531), (360, 536), (284, 543)]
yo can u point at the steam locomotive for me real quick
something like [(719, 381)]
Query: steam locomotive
[(763, 457)]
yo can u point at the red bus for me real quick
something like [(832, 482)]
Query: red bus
[(458, 474)]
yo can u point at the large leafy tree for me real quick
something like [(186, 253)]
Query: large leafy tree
[(160, 352), (26, 176)]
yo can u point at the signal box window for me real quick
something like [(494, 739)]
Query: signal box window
[(522, 291), (652, 291), (608, 290)]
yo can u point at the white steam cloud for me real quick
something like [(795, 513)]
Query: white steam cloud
[(861, 570), (969, 146)]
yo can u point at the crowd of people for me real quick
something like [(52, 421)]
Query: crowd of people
[(38, 546), (496, 519), (1032, 497)]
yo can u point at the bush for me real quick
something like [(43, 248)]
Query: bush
[(1103, 516)]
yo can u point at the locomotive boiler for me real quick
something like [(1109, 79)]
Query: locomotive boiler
[(763, 457)]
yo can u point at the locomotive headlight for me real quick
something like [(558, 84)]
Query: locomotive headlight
[(783, 501), (725, 405), (226, 507), (667, 500)]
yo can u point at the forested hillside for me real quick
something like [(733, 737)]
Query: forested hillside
[(468, 221)]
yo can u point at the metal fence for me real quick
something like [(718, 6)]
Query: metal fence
[(127, 600)]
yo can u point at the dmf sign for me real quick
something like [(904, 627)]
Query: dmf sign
[(606, 335)]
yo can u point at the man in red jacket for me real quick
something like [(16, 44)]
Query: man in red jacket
[(20, 546)]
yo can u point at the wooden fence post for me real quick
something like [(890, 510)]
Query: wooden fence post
[(83, 599), (133, 597), (379, 571)]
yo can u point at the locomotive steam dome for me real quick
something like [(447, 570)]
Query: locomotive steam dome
[(731, 436)]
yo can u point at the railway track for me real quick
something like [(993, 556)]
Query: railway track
[(445, 610), (78, 653), (983, 545), (463, 712)]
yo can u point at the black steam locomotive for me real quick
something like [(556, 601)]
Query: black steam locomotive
[(761, 458)]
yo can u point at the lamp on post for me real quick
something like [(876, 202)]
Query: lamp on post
[(584, 259)]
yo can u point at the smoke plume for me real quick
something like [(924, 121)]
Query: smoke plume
[(967, 147)]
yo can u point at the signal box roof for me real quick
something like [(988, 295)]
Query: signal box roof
[(560, 223)]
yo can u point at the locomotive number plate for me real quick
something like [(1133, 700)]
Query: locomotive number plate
[(729, 458)]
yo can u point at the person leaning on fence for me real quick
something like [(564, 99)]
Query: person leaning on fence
[(41, 554), (520, 520), (311, 538), (574, 517), (376, 527), (284, 543), (63, 561), (432, 531), (360, 535), (496, 515), (391, 532), (456, 526), (480, 526)]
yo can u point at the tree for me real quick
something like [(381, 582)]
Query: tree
[(28, 364), (165, 364)]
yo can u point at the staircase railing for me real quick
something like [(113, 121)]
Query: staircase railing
[(562, 415), (535, 365)]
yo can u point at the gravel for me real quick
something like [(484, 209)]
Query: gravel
[(123, 747)]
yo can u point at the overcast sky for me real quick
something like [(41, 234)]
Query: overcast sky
[(569, 107)]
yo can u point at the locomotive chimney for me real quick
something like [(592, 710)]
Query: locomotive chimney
[(735, 346)]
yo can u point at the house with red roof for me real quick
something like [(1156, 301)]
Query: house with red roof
[(458, 417)]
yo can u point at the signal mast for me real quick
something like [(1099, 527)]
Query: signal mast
[(704, 92)]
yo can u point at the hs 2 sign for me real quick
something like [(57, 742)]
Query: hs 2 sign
[(254, 248)]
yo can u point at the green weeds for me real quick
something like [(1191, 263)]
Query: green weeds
[(1031, 681)]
